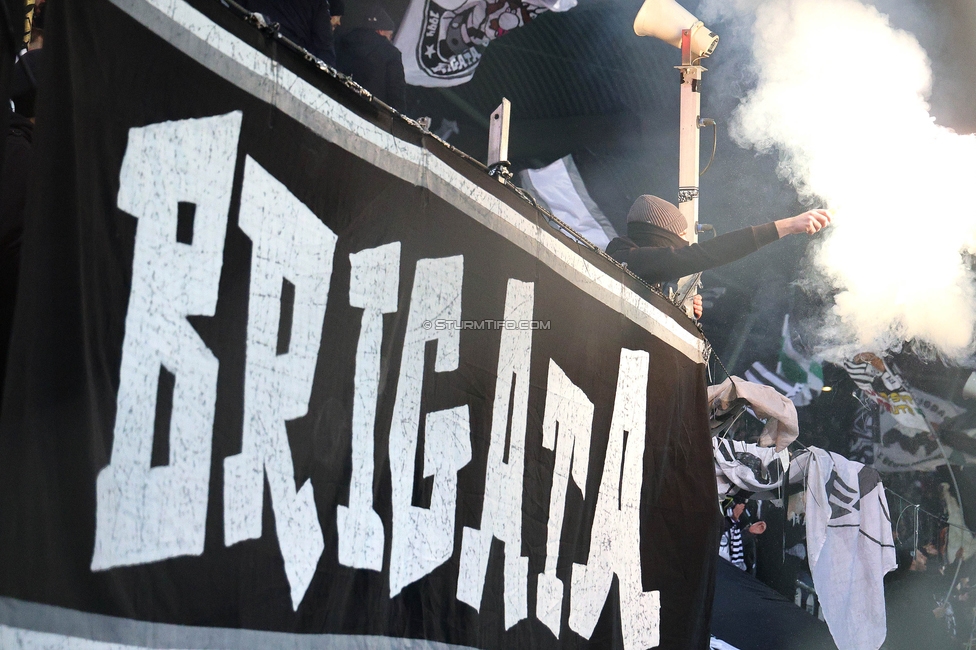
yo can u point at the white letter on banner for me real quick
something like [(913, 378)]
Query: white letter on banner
[(568, 409), (144, 513), (423, 539), (615, 536), (289, 242), (373, 284), (501, 514)]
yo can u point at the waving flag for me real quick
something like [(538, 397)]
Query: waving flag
[(794, 366), (850, 545), (905, 439), (442, 40), (560, 187), (797, 393)]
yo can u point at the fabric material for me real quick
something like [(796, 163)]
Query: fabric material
[(795, 367), (718, 644), (374, 63), (730, 547), (443, 40), (15, 176), (959, 540), (849, 545), (781, 426), (245, 275), (653, 264), (560, 188), (377, 19), (745, 467), (905, 441), (306, 22), (658, 212), (27, 625), (647, 234), (23, 84), (751, 616), (799, 394)]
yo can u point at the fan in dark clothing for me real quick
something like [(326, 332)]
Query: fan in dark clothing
[(366, 54), (655, 251), (306, 22)]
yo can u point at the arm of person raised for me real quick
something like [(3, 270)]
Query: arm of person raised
[(809, 222), (660, 264), (739, 243)]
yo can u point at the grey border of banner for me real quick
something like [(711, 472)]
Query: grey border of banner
[(201, 39), (68, 624)]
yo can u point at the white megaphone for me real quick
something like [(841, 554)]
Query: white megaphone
[(666, 19)]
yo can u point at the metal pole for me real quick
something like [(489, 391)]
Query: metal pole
[(688, 153)]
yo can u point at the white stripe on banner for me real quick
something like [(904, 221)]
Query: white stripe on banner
[(561, 188), (21, 639), (240, 64), (32, 626)]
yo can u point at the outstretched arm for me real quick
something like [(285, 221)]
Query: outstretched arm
[(658, 264), (809, 222)]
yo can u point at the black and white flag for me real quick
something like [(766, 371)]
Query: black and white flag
[(850, 545), (443, 40), (560, 187)]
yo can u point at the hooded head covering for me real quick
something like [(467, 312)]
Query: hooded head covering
[(652, 221), (657, 211), (377, 19)]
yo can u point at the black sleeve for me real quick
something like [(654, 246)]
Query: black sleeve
[(396, 85), (321, 36), (18, 169), (661, 264), (337, 7)]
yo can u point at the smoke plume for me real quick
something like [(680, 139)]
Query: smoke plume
[(842, 98)]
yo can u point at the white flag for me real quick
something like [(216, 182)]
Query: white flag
[(849, 545), (442, 40), (560, 187)]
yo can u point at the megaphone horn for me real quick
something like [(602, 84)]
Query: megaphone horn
[(666, 19)]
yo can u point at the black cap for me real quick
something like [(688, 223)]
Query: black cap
[(378, 19)]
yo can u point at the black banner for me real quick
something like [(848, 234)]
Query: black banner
[(288, 372)]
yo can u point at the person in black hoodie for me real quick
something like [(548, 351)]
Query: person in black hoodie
[(366, 54), (655, 251), (15, 176), (307, 23)]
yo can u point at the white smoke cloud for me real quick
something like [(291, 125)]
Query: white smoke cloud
[(841, 97)]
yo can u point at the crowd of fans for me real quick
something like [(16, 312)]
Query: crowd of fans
[(930, 598), (359, 44)]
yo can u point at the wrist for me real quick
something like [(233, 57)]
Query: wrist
[(782, 227)]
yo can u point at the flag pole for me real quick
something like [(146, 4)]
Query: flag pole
[(689, 155)]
